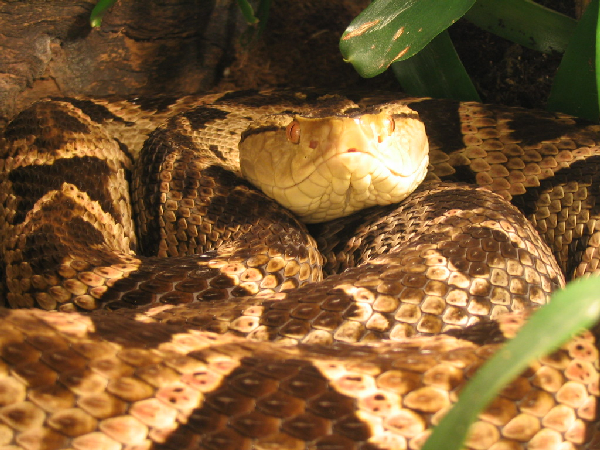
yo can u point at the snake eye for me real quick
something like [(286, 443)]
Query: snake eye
[(293, 132), (391, 124), (389, 127)]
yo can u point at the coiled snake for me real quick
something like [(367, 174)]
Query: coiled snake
[(174, 357)]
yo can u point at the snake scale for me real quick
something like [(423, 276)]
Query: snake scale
[(209, 333)]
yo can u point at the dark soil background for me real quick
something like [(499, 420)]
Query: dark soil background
[(306, 54), (504, 72)]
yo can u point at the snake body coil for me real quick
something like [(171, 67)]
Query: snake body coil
[(175, 355)]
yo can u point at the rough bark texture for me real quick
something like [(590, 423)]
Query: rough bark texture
[(143, 47)]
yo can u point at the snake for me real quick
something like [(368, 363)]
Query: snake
[(415, 237)]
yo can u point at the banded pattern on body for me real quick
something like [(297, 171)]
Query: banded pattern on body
[(449, 256)]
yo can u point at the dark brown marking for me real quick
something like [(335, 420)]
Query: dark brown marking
[(577, 171), (482, 333), (215, 149), (48, 125), (158, 104), (45, 250), (161, 143), (258, 130), (201, 115), (97, 113), (89, 174), (446, 134), (531, 128), (210, 422), (130, 333)]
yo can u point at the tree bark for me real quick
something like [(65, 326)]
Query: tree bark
[(143, 47)]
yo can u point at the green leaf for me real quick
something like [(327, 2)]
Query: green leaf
[(392, 30), (524, 22), (575, 89), (257, 21), (436, 71), (98, 12), (247, 11), (571, 310)]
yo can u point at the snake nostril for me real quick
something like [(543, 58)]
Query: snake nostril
[(352, 150)]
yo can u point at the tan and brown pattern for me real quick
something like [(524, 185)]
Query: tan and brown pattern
[(176, 357), (85, 382)]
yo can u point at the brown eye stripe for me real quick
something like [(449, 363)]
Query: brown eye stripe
[(258, 130)]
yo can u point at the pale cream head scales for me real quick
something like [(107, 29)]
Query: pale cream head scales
[(322, 168)]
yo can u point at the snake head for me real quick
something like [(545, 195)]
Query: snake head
[(326, 166)]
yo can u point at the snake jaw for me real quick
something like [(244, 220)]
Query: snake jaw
[(323, 168)]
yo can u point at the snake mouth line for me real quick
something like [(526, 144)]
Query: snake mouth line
[(380, 161)]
